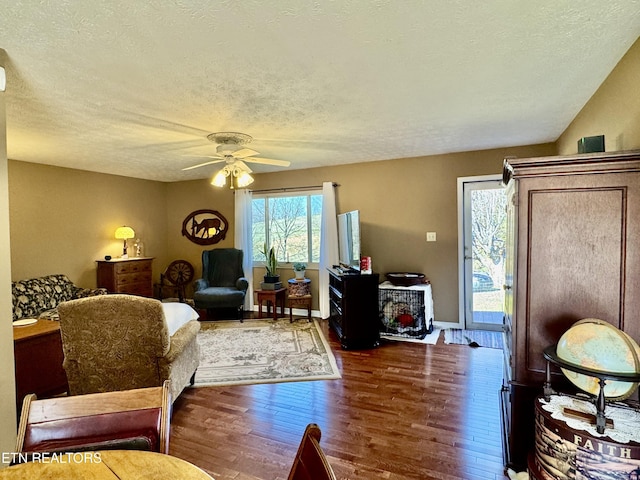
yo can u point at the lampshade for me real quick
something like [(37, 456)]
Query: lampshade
[(241, 174), (219, 179), (244, 179), (123, 233)]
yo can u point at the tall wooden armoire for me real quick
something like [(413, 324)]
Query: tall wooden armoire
[(573, 252)]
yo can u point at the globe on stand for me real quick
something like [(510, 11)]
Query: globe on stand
[(598, 345)]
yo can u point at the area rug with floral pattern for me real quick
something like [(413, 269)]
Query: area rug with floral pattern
[(263, 351)]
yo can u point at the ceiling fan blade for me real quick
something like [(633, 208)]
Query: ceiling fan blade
[(269, 161), (243, 165), (203, 164), (205, 156), (245, 152)]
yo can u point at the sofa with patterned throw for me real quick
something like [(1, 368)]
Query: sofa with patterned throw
[(39, 297)]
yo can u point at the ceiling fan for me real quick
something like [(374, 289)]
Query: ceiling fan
[(231, 150)]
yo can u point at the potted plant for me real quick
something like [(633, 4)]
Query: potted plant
[(299, 269), (271, 265)]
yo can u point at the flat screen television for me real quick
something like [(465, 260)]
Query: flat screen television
[(349, 239)]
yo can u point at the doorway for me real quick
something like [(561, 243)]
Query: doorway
[(482, 220)]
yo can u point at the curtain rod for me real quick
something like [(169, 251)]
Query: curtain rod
[(288, 189)]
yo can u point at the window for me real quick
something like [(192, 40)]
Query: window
[(290, 223)]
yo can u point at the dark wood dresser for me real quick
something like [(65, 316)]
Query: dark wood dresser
[(38, 360), (126, 275), (354, 311), (572, 253)]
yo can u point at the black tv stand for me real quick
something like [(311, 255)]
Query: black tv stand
[(354, 316)]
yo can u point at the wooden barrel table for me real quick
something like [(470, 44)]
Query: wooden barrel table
[(567, 445), (299, 288)]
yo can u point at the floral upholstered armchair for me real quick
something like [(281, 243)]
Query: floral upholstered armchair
[(39, 297), (122, 342)]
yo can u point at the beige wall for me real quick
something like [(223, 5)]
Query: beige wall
[(75, 214), (184, 198), (7, 379), (63, 220), (613, 111), (399, 201)]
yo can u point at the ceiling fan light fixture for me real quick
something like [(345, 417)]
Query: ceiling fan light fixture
[(244, 179), (231, 149), (220, 178), (234, 171)]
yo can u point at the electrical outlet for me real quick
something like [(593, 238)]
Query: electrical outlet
[(431, 236)]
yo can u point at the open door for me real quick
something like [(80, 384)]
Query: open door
[(482, 252)]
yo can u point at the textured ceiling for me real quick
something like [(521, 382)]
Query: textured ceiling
[(133, 87)]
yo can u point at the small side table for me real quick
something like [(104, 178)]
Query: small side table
[(272, 297), (304, 301), (299, 295)]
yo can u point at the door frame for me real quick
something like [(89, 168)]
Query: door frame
[(462, 313)]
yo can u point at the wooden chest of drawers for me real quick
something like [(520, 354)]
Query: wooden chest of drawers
[(354, 315), (130, 275)]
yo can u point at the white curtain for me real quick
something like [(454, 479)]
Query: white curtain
[(242, 235), (328, 245)]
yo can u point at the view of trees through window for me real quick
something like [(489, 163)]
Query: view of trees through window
[(290, 224), (488, 242), (489, 225)]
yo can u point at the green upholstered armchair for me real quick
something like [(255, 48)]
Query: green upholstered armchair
[(223, 284), (122, 342)]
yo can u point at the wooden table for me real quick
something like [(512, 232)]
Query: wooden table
[(272, 297), (38, 360), (107, 465)]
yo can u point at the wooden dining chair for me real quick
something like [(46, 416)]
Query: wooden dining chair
[(310, 462), (129, 419)]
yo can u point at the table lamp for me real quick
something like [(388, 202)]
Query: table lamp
[(124, 233)]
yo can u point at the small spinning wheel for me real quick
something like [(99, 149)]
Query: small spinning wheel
[(177, 276), (179, 272)]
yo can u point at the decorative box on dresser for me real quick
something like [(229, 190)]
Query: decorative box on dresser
[(126, 275), (572, 253), (353, 299)]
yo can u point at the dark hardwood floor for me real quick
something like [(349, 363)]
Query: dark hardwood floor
[(401, 411)]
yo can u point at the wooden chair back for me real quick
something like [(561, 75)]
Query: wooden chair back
[(310, 462), (129, 419)]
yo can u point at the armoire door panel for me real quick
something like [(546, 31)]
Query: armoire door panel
[(632, 268), (575, 264)]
